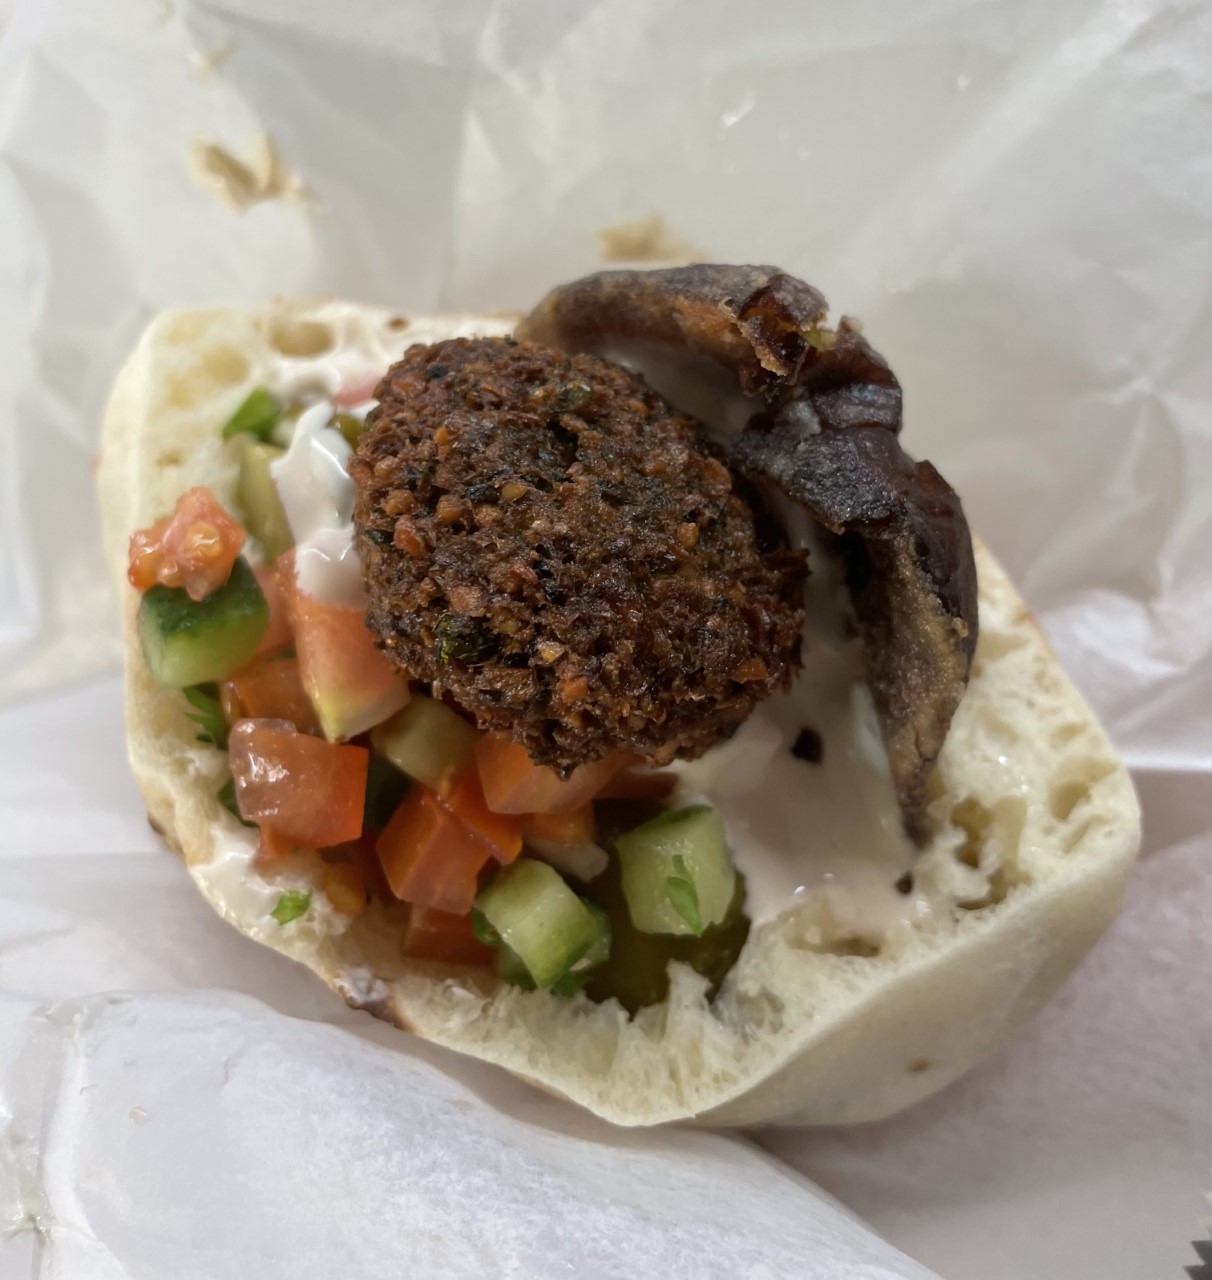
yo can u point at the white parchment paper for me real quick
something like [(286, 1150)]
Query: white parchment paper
[(1014, 196)]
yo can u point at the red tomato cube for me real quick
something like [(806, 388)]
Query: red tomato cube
[(439, 935), (271, 689), (194, 548), (513, 783), (430, 858), (311, 792), (352, 686)]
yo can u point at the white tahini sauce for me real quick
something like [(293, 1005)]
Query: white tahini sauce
[(794, 827), (248, 891), (316, 490), (318, 498)]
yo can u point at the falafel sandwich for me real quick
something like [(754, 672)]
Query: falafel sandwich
[(607, 695)]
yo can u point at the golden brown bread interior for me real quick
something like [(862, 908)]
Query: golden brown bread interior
[(1036, 825)]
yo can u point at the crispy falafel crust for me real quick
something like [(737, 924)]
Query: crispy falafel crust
[(546, 540)]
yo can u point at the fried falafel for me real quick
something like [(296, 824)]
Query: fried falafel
[(548, 542)]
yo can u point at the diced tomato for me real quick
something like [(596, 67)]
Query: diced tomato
[(310, 792), (273, 843), (271, 689), (361, 852), (357, 391), (344, 887), (640, 784), (572, 827), (277, 634), (350, 683), (513, 783), (194, 548), (502, 831), (431, 859), (439, 935)]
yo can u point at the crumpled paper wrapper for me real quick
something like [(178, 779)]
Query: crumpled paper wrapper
[(1014, 197), (207, 1135)]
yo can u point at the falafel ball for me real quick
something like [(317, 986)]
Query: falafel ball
[(553, 546)]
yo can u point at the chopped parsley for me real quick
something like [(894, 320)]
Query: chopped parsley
[(482, 930), (207, 714), (227, 798), (683, 896), (458, 638), (291, 905)]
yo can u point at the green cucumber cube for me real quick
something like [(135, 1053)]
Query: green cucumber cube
[(264, 516), (542, 921), (196, 641), (511, 968), (599, 949), (350, 426), (427, 740), (678, 877)]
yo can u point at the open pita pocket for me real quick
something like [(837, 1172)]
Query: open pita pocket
[(1033, 818)]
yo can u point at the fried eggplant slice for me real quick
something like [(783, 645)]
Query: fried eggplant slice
[(763, 324), (825, 434), (907, 552)]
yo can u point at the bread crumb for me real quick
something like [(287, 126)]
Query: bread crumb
[(240, 184)]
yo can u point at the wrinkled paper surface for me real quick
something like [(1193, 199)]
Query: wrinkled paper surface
[(1015, 199)]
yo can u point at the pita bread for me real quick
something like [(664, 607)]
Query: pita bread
[(1036, 820)]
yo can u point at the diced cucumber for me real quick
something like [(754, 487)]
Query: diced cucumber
[(482, 930), (677, 875), (599, 949), (257, 415), (511, 967), (513, 970), (427, 740), (350, 426), (195, 641), (542, 921), (257, 495), (282, 434), (386, 788), (637, 971)]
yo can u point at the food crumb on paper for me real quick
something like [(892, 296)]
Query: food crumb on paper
[(206, 62), (138, 1115), (238, 183), (650, 239)]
